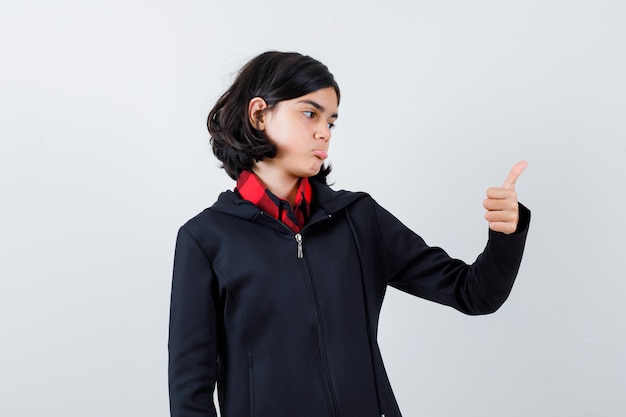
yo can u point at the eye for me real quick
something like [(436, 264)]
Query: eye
[(309, 114), (331, 126)]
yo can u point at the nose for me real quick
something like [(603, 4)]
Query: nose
[(323, 132)]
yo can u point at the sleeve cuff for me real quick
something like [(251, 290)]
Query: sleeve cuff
[(524, 219)]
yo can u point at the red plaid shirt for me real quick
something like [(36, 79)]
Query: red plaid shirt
[(250, 188)]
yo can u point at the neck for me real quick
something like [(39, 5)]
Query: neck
[(281, 185)]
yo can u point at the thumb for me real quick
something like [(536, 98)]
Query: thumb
[(514, 174)]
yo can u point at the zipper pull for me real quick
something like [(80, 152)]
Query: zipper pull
[(299, 241)]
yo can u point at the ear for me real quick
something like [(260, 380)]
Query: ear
[(256, 112)]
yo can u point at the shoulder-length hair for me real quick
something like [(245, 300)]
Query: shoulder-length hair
[(273, 76)]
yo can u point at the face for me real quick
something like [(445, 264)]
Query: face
[(301, 130)]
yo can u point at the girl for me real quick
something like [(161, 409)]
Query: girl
[(277, 287)]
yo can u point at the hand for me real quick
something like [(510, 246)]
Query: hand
[(501, 203)]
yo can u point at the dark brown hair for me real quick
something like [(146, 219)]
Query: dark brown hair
[(273, 76)]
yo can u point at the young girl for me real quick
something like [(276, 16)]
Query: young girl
[(277, 287)]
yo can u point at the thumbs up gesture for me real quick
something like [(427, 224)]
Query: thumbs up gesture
[(501, 202)]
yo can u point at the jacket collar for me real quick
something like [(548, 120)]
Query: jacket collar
[(324, 198), (332, 201)]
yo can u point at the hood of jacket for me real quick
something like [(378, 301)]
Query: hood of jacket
[(325, 199)]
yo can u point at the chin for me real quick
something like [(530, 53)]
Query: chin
[(313, 171)]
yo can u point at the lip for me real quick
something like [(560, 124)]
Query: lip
[(322, 154)]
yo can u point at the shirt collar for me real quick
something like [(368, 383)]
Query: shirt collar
[(250, 187)]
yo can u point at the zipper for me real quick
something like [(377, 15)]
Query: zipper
[(316, 315), (321, 346), (298, 237)]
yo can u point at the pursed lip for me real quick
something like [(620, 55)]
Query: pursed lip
[(320, 153)]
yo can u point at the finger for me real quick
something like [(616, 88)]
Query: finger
[(503, 227), (500, 205), (501, 216), (499, 193), (514, 174)]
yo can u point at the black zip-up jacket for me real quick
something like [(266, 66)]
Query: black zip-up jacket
[(286, 324)]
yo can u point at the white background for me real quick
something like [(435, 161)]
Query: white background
[(104, 154)]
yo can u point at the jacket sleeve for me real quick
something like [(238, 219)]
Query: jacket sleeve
[(428, 272), (192, 332)]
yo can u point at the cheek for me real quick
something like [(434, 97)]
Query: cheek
[(278, 132)]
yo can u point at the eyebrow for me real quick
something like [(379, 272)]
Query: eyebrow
[(318, 107)]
